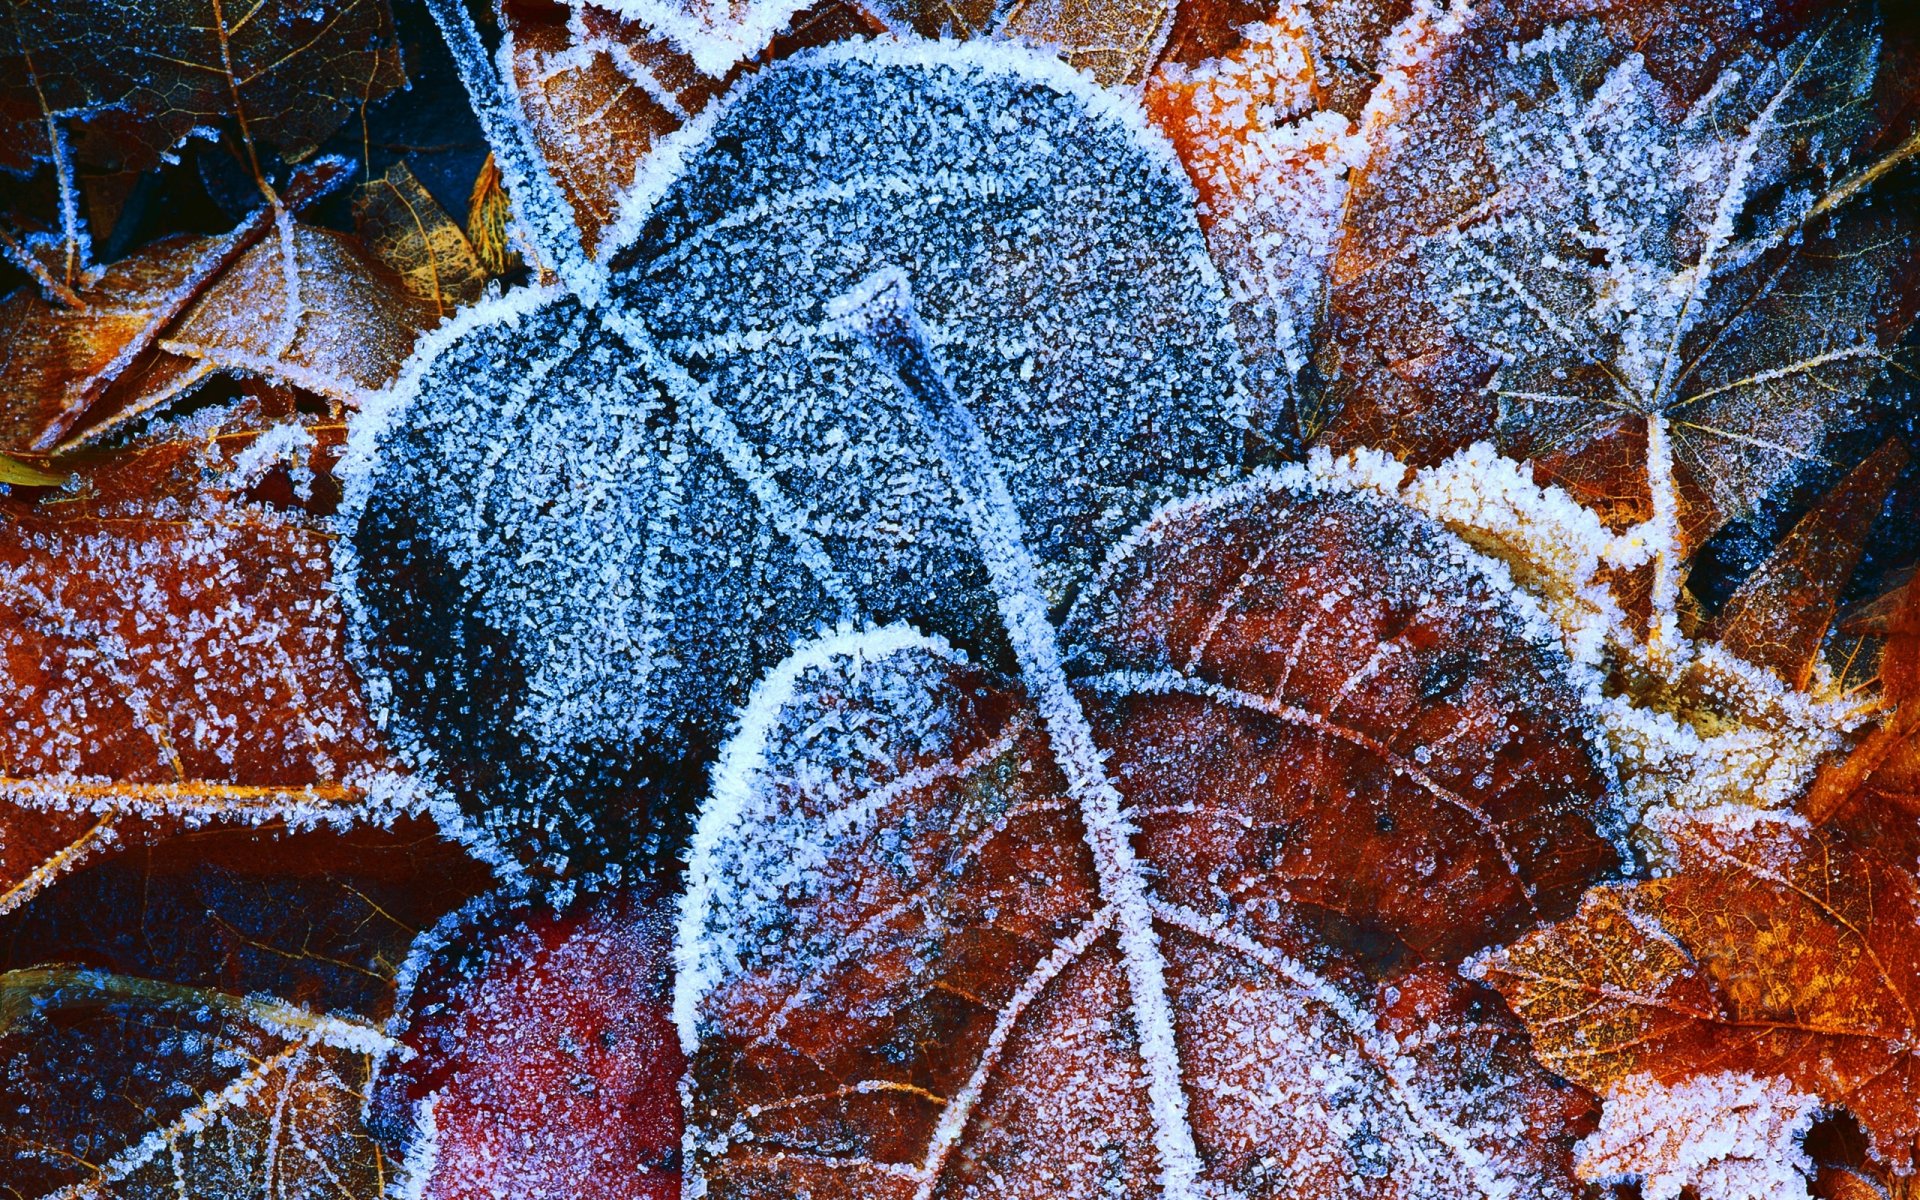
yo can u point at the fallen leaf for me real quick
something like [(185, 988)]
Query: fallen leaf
[(1668, 273), (544, 1063), (599, 92), (903, 962), (203, 1015), (1780, 615), (649, 502), (170, 646), (489, 214), (1783, 948), (408, 231), (64, 362)]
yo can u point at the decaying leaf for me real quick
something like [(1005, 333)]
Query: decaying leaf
[(1784, 949), (406, 229), (489, 214), (902, 964), (1639, 281), (544, 1064), (171, 646), (203, 1016), (604, 535)]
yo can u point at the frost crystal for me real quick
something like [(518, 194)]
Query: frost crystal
[(581, 537), (1728, 1136)]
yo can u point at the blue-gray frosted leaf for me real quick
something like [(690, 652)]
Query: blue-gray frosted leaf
[(583, 535)]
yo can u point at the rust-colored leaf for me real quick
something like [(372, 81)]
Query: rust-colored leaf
[(67, 364), (312, 308), (171, 643), (489, 213), (904, 970), (406, 229), (1776, 949), (599, 91), (1780, 614)]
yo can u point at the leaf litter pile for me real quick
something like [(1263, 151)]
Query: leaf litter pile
[(1095, 598)]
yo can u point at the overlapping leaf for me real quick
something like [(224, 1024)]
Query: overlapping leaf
[(901, 973), (202, 1017), (1781, 950), (579, 546), (1621, 257)]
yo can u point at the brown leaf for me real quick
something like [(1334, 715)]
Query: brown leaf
[(121, 85), (599, 91), (1475, 291), (903, 969), (69, 364), (1115, 41), (178, 646), (406, 229), (1776, 949), (1780, 615), (203, 1015), (311, 308)]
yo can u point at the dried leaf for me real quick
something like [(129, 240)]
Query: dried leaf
[(1780, 615), (13, 471), (599, 92), (544, 1064), (488, 214), (311, 308), (120, 86), (70, 364), (406, 229), (1785, 949), (1657, 270), (1115, 41), (902, 963), (179, 648), (713, 465), (221, 1036)]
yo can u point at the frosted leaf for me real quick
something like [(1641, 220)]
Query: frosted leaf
[(580, 544), (898, 978), (902, 961), (1728, 1135), (539, 1062), (715, 34)]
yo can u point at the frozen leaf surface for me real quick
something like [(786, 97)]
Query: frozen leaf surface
[(1786, 949), (169, 642), (1640, 290), (544, 1063), (613, 530), (901, 973)]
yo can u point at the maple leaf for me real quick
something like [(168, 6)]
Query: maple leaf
[(905, 966), (1663, 299), (544, 1063), (1783, 948), (578, 531), (230, 986)]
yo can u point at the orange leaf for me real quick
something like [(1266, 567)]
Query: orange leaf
[(1776, 949)]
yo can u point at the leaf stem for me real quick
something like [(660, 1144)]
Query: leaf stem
[(880, 312)]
